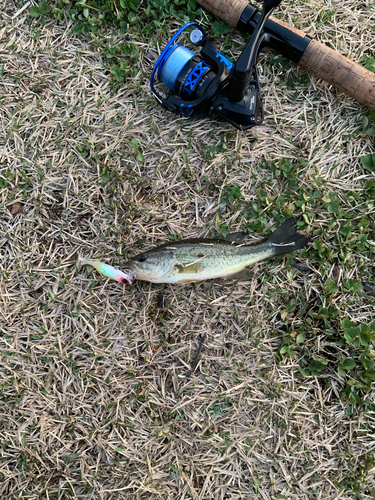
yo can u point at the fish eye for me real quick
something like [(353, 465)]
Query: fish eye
[(142, 257)]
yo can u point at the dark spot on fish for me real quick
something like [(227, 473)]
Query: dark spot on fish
[(142, 257), (200, 255)]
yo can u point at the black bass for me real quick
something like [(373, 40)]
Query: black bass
[(186, 261)]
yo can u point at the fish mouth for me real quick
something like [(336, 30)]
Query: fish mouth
[(153, 276)]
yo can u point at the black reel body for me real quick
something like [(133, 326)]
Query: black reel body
[(208, 83), (198, 83)]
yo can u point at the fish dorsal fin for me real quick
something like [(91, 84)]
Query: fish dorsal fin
[(237, 237)]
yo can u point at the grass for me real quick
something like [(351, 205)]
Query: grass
[(94, 396)]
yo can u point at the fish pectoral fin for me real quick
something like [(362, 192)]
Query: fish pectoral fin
[(194, 267), (244, 275)]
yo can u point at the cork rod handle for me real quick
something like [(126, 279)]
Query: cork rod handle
[(318, 59), (339, 71), (229, 11)]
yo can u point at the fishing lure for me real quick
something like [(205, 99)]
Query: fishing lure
[(109, 271)]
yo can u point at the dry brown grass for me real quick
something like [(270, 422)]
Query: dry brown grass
[(95, 402)]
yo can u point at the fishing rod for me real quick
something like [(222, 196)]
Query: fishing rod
[(208, 83)]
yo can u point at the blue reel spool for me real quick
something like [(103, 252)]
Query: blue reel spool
[(179, 68)]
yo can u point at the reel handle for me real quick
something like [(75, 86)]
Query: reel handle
[(318, 59)]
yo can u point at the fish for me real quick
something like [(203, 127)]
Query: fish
[(109, 271), (192, 260)]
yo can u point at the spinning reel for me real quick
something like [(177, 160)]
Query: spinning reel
[(208, 83)]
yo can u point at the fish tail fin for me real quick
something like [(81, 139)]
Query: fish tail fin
[(286, 239)]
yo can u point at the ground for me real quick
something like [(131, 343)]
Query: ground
[(96, 401)]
